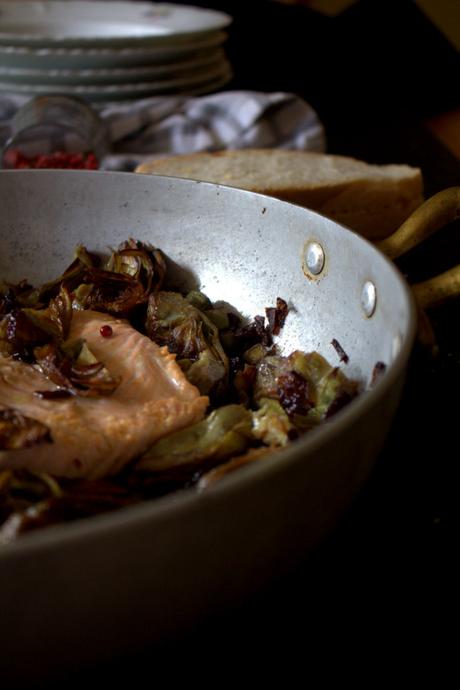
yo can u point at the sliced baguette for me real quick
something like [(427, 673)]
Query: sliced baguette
[(371, 199)]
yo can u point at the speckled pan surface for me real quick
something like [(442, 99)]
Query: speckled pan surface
[(144, 573)]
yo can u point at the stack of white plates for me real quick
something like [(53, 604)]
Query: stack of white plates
[(109, 51)]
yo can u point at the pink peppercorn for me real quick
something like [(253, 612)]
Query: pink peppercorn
[(58, 159), (106, 331)]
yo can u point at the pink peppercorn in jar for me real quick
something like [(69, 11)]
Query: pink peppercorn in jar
[(55, 132), (14, 158)]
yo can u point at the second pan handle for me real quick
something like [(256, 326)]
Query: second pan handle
[(432, 215)]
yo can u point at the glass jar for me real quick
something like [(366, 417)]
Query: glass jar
[(55, 131)]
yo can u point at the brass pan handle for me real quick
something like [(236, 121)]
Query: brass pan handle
[(438, 289), (433, 214)]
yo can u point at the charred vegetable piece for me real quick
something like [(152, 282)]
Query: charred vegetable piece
[(330, 389), (18, 336), (244, 337), (208, 374), (81, 295), (139, 261), (225, 432), (126, 280), (340, 351), (243, 383), (255, 354), (39, 336), (377, 372), (271, 424), (31, 485), (70, 279), (30, 501), (55, 320), (18, 431), (20, 521), (15, 296), (114, 293), (22, 329), (276, 316), (337, 391), (219, 317), (269, 369), (294, 393), (253, 341), (119, 286), (199, 300), (187, 332), (306, 385), (21, 492), (212, 477), (311, 365), (72, 366)]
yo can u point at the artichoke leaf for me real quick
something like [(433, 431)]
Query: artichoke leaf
[(141, 262), (212, 477), (329, 388), (269, 369), (219, 317), (311, 365), (71, 277), (56, 318), (18, 335), (120, 285), (199, 300), (276, 316), (91, 375), (308, 388), (115, 293), (73, 366), (334, 391), (23, 329), (206, 372), (19, 431), (255, 354), (16, 296), (271, 424), (189, 333), (225, 432), (81, 294)]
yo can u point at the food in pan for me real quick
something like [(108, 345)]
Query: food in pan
[(371, 199), (115, 388)]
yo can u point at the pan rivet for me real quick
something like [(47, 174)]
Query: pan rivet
[(396, 345), (368, 298), (314, 258)]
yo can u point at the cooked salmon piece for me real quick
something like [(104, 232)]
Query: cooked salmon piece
[(93, 437)]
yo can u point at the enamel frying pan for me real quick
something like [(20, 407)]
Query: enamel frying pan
[(144, 573)]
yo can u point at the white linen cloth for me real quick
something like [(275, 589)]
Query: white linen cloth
[(169, 125)]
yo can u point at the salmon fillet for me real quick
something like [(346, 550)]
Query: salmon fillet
[(96, 437)]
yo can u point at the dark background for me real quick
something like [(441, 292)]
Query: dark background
[(381, 592)]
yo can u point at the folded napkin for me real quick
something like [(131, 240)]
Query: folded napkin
[(169, 125)]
